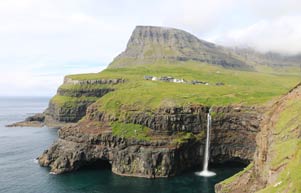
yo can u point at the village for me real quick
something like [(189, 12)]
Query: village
[(175, 80)]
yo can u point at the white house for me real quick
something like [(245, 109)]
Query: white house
[(154, 78)]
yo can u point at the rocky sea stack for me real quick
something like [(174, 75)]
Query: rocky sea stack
[(145, 115)]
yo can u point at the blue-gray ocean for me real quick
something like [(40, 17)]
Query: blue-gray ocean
[(19, 173)]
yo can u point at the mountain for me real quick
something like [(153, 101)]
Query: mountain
[(149, 44)]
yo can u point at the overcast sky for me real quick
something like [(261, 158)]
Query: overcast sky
[(43, 40)]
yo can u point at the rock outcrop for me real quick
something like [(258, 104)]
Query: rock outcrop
[(175, 144), (36, 120)]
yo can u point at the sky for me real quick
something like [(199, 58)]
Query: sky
[(43, 40)]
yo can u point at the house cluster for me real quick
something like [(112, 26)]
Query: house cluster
[(165, 79), (175, 80)]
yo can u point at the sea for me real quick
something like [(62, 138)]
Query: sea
[(20, 172)]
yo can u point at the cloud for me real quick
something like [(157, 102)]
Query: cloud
[(279, 35), (198, 16), (264, 25), (42, 40), (272, 9), (38, 79)]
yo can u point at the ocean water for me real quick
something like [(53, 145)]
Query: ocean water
[(19, 172)]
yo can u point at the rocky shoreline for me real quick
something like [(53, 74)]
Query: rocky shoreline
[(165, 154)]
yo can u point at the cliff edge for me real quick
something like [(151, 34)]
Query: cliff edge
[(276, 165)]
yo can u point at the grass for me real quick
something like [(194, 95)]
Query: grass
[(80, 87), (235, 177), (284, 156), (130, 131), (286, 150), (184, 137), (71, 102), (88, 90), (241, 87)]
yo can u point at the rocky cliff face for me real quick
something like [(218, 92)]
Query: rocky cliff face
[(276, 165), (149, 44), (70, 103), (74, 96), (175, 141)]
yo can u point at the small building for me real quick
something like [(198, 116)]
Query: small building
[(167, 79), (196, 82), (148, 77), (199, 82), (154, 78), (178, 80)]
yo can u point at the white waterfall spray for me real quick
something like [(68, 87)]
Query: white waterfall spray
[(205, 171)]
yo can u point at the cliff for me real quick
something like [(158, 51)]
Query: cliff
[(276, 165), (164, 143), (70, 103)]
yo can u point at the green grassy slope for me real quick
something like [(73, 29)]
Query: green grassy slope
[(241, 87), (286, 150)]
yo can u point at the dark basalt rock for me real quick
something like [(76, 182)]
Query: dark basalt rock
[(37, 117), (128, 157), (86, 93), (36, 120), (233, 138), (67, 114)]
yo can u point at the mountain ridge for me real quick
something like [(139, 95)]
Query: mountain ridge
[(153, 44), (150, 43)]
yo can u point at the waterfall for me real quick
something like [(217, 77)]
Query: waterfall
[(205, 171)]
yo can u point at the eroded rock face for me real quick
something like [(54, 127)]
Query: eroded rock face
[(92, 140), (78, 146), (68, 80), (276, 163), (82, 97), (66, 113), (234, 132)]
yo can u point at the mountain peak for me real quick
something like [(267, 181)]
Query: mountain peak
[(164, 36), (149, 44)]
